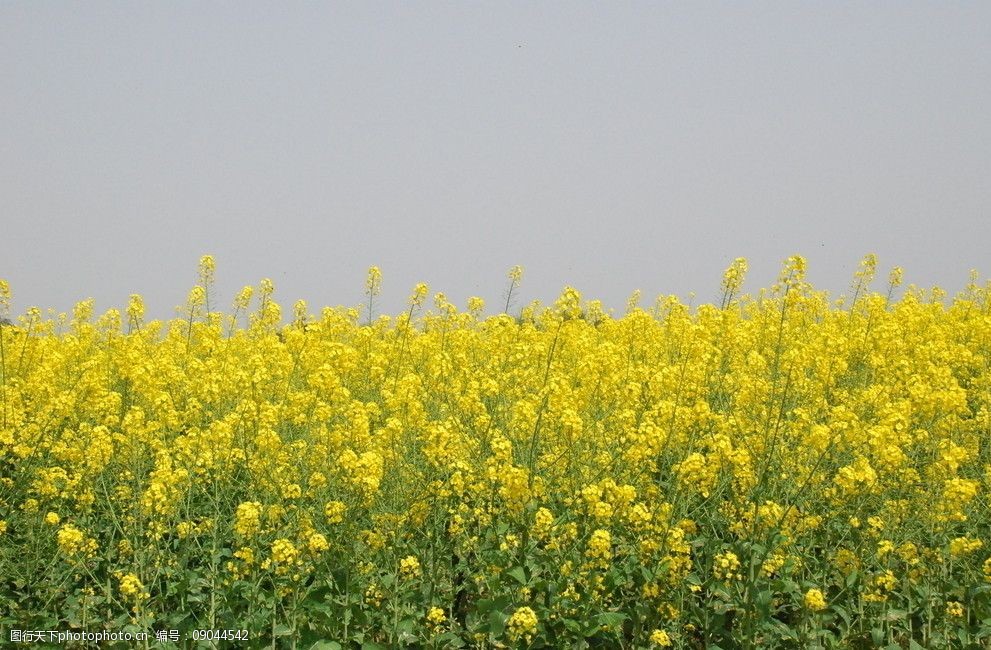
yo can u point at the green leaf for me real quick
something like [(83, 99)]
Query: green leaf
[(497, 623), (449, 640), (842, 613), (519, 574), (611, 619), (318, 595), (486, 604), (326, 645), (763, 601), (895, 614)]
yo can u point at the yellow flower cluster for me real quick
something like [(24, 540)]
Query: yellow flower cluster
[(285, 556), (600, 548), (74, 542), (814, 600), (883, 584), (964, 546), (247, 521), (435, 619), (334, 512), (132, 588), (726, 566), (543, 524), (660, 638), (954, 609), (409, 567), (522, 625)]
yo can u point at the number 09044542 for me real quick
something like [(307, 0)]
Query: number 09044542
[(220, 635)]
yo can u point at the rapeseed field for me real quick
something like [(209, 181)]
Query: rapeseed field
[(783, 469)]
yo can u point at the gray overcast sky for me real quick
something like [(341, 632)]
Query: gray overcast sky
[(611, 146)]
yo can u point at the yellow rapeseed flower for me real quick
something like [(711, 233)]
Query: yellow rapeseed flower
[(522, 624), (660, 638), (814, 600), (409, 567), (317, 543), (132, 588), (726, 566)]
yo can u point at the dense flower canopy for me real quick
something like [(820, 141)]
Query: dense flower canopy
[(783, 469)]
